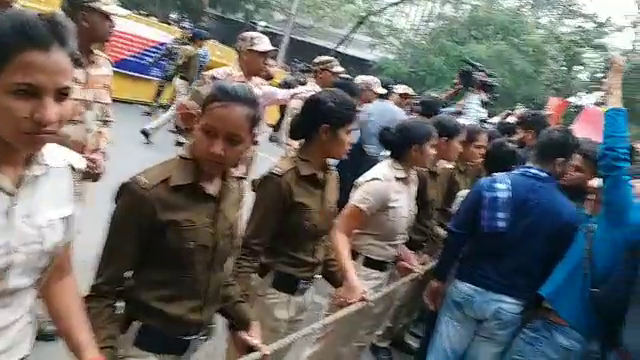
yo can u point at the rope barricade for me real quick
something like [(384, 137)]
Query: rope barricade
[(356, 312)]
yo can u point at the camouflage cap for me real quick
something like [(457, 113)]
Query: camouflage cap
[(368, 82), (328, 63), (402, 89), (109, 7), (254, 41)]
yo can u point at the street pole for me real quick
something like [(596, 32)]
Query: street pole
[(284, 44)]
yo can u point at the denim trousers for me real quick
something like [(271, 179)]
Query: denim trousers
[(543, 339), (474, 324)]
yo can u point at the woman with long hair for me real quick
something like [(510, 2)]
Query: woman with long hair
[(37, 203)]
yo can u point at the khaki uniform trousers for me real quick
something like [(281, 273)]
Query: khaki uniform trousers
[(349, 340), (279, 314), (408, 305)]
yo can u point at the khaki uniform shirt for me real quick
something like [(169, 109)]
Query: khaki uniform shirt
[(462, 177), (428, 232), (92, 89), (176, 237), (293, 212), (387, 194)]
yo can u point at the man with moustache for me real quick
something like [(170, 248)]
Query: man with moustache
[(529, 125)]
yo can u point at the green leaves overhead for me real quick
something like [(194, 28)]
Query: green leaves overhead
[(537, 48)]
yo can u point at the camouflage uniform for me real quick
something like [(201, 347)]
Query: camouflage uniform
[(320, 63), (89, 128)]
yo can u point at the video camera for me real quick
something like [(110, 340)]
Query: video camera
[(476, 75)]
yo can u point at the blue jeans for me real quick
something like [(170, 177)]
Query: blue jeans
[(474, 324), (543, 339)]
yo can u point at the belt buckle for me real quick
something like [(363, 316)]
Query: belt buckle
[(303, 286), (203, 334)]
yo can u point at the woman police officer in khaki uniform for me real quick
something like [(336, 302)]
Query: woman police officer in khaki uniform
[(468, 167), (286, 238), (370, 232), (173, 231)]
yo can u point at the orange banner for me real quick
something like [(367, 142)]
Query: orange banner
[(556, 107), (589, 123)]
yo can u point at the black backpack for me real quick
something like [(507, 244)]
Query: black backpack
[(611, 296)]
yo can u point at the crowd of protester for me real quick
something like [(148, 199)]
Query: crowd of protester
[(533, 232)]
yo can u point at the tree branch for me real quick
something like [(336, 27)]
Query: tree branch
[(364, 18)]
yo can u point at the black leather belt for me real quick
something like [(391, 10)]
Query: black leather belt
[(153, 340), (370, 263), (290, 284)]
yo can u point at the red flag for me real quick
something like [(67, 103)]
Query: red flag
[(589, 123), (556, 107)]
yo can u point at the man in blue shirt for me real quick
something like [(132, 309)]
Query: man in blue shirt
[(376, 113), (569, 321), (514, 228), (381, 113)]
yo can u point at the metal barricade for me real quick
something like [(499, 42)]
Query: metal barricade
[(335, 331)]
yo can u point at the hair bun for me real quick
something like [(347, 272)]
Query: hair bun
[(388, 138), (298, 130)]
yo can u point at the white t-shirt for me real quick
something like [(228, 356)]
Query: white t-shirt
[(472, 109), (36, 221)]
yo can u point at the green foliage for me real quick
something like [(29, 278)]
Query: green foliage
[(162, 8), (631, 93), (536, 50)]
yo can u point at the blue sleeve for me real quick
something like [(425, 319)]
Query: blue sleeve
[(461, 229), (614, 161), (369, 131)]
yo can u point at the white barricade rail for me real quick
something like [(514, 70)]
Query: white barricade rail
[(336, 330)]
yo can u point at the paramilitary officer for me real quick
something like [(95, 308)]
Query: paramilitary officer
[(173, 232)]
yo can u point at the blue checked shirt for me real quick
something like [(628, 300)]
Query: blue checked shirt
[(509, 233), (496, 203)]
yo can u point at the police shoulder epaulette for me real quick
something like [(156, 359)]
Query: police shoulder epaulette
[(154, 175), (442, 164), (282, 166), (103, 56)]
